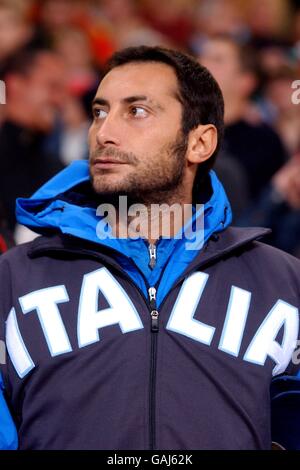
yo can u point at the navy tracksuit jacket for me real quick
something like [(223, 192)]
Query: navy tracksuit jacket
[(95, 362), (112, 383)]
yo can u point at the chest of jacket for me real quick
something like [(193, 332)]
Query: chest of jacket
[(86, 352)]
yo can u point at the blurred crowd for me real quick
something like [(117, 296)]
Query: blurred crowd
[(52, 54)]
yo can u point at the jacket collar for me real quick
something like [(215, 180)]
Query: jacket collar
[(219, 245)]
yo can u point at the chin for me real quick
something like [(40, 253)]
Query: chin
[(104, 185)]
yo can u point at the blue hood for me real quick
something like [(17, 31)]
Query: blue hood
[(49, 209)]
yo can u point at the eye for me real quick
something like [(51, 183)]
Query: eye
[(99, 113), (138, 112)]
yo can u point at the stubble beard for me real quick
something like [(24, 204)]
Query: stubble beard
[(159, 180)]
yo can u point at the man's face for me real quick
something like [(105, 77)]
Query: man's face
[(221, 59), (41, 91), (136, 145)]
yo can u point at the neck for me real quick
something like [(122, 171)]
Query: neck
[(148, 217)]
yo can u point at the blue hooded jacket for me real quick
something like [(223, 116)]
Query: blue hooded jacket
[(49, 209), (62, 206), (66, 216), (83, 222), (8, 433)]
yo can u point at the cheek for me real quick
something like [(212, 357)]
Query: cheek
[(156, 138), (92, 136)]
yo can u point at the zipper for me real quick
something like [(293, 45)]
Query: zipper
[(151, 305), (153, 365), (154, 330), (153, 311), (152, 255)]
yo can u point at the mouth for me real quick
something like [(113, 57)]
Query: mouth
[(107, 162)]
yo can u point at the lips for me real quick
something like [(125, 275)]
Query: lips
[(107, 161)]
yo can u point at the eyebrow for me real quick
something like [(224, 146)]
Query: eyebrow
[(128, 100)]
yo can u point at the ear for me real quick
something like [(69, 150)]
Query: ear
[(202, 143)]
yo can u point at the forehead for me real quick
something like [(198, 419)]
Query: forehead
[(48, 66), (220, 48), (156, 80)]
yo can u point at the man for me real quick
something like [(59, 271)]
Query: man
[(279, 208), (145, 342), (251, 143), (35, 87)]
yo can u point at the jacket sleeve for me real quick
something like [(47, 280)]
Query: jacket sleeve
[(285, 407), (8, 433)]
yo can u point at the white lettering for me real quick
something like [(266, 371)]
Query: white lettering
[(16, 348), (45, 301), (121, 310), (181, 320), (264, 344), (235, 321)]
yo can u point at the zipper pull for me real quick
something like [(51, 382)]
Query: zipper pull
[(154, 313), (152, 255)]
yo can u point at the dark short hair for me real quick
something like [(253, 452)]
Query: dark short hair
[(198, 91), (247, 56), (23, 61), (247, 60)]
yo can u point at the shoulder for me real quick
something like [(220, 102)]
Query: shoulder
[(271, 266), (250, 246), (16, 254), (276, 257)]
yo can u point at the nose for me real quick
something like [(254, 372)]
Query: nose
[(109, 131)]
